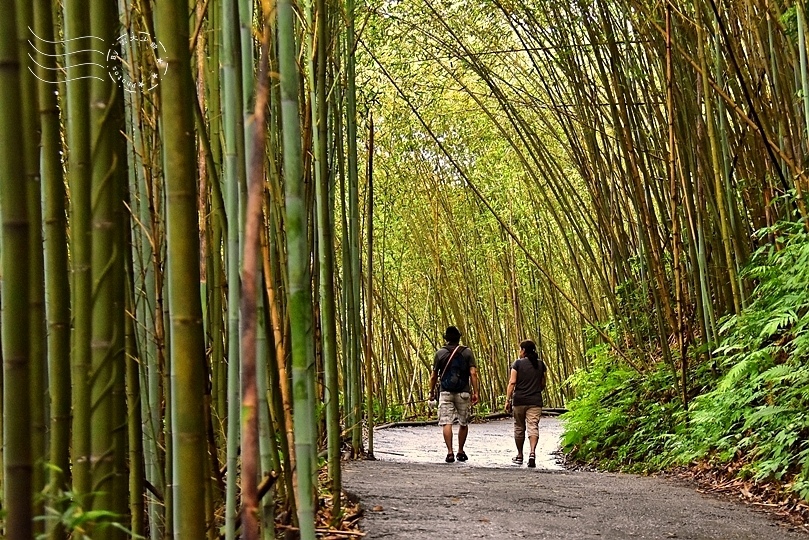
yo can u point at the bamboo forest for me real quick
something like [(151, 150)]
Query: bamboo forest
[(233, 233)]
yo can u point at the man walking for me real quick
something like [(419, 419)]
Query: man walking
[(454, 366)]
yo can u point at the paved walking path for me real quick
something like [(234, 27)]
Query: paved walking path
[(409, 493)]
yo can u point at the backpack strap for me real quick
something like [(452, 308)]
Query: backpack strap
[(447, 365)]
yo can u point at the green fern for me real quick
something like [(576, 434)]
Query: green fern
[(741, 370), (778, 322), (777, 374), (764, 412), (756, 412)]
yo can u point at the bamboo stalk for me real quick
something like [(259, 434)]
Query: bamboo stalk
[(77, 122), (56, 266), (187, 371), (17, 465), (233, 168), (250, 282), (300, 303)]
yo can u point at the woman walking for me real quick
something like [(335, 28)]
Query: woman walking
[(524, 397)]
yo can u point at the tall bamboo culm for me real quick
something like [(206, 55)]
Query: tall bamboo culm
[(300, 302), (56, 265), (77, 129), (233, 151), (187, 340), (17, 466), (30, 132)]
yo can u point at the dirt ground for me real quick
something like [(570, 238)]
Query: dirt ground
[(410, 493)]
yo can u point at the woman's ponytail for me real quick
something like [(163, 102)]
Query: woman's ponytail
[(530, 352)]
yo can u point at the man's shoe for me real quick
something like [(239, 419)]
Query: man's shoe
[(450, 458), (532, 461), (461, 456)]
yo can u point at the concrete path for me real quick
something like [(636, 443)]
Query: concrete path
[(409, 493)]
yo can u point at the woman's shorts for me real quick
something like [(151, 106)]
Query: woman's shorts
[(526, 415), (452, 406)]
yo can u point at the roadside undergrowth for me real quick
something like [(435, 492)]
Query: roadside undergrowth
[(747, 427)]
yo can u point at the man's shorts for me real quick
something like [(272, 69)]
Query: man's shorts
[(526, 416), (452, 406)]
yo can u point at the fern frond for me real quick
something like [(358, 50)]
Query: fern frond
[(765, 412), (743, 369), (776, 374)]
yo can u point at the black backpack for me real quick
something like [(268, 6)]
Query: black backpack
[(455, 377)]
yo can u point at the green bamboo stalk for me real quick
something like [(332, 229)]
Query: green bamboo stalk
[(211, 484), (17, 472), (300, 302), (120, 412), (36, 279), (247, 57), (216, 279), (732, 206), (166, 384), (718, 184), (369, 294), (345, 298), (2, 451), (187, 371), (145, 240), (107, 321), (675, 204), (77, 128), (384, 376), (325, 242), (777, 90), (56, 266), (803, 70), (134, 423), (353, 229), (268, 451), (143, 298), (213, 77), (279, 393), (219, 368), (150, 357), (233, 169), (277, 281), (213, 268)]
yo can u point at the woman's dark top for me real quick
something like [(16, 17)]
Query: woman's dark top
[(528, 390)]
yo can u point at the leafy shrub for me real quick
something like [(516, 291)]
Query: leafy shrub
[(621, 419), (757, 414), (754, 415)]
